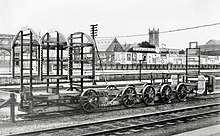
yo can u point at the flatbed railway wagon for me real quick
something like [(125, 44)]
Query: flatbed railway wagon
[(54, 60), (34, 59)]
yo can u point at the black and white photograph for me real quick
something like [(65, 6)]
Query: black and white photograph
[(109, 68)]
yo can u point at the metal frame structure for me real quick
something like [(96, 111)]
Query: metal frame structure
[(200, 85), (193, 52), (81, 52), (56, 42), (26, 41)]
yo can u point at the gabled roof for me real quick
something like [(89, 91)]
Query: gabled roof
[(102, 45), (115, 46), (110, 45), (212, 47), (213, 42)]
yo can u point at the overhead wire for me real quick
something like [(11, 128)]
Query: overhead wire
[(162, 32)]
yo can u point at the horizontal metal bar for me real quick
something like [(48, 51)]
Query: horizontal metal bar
[(46, 41), (84, 60), (26, 59), (26, 44), (63, 60), (80, 53), (54, 76), (26, 68), (75, 37), (82, 76), (26, 76), (79, 44), (26, 34)]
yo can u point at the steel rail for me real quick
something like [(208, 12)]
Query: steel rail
[(149, 123), (27, 117), (126, 118)]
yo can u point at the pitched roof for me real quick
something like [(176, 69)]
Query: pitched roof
[(102, 45), (109, 45), (213, 42), (115, 46), (212, 47)]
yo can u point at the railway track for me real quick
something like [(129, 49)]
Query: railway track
[(133, 124), (27, 117)]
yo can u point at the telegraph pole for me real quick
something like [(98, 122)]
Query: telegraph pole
[(94, 30)]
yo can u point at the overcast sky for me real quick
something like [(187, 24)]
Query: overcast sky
[(116, 18)]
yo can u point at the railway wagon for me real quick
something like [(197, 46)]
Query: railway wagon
[(35, 56)]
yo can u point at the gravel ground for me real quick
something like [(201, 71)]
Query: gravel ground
[(6, 127)]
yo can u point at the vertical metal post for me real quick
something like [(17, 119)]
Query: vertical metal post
[(31, 74), (31, 59), (163, 79), (93, 34), (21, 68), (48, 60), (12, 107), (151, 78), (199, 61), (13, 61), (58, 66), (81, 62), (41, 59), (93, 64), (61, 61), (38, 58), (140, 70), (71, 62), (187, 64), (178, 78)]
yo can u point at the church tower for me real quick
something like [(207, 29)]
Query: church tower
[(154, 37)]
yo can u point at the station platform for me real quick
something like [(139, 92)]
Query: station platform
[(207, 131)]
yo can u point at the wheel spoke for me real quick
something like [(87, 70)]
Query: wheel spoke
[(148, 95), (127, 102), (182, 92), (89, 100), (85, 100), (129, 97), (166, 94), (93, 105), (87, 105)]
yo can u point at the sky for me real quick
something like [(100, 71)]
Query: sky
[(116, 18)]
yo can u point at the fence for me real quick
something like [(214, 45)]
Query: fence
[(8, 80), (154, 66), (11, 101)]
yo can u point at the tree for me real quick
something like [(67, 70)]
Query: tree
[(182, 52), (146, 44)]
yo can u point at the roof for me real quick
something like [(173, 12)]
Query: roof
[(109, 45), (213, 42), (128, 46), (212, 47), (102, 45), (115, 46)]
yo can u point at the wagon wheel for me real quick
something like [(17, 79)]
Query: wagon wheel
[(146, 84), (148, 95), (181, 92), (166, 93), (111, 87), (129, 96), (89, 100), (131, 85)]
